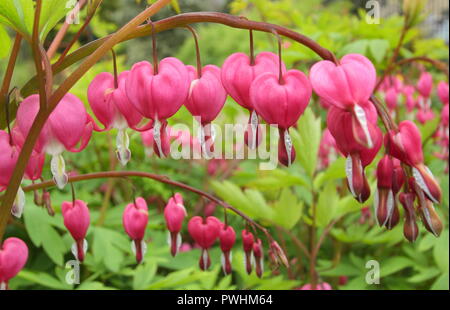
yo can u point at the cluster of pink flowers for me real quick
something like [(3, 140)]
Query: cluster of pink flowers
[(346, 89)]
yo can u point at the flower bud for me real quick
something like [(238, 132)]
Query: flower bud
[(410, 229), (135, 219), (247, 242), (174, 213), (77, 219), (227, 239), (258, 254)]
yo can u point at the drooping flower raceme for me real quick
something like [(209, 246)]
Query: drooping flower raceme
[(174, 213), (238, 74), (205, 100), (77, 219), (68, 125), (347, 132), (135, 219), (112, 108), (281, 102), (406, 145), (13, 257), (158, 95), (442, 91)]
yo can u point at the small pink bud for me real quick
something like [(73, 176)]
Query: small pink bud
[(324, 286), (258, 254), (204, 232), (442, 91), (227, 239), (174, 213), (13, 257), (425, 84), (247, 241), (135, 219), (77, 220)]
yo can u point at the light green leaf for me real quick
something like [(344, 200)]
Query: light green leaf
[(288, 210), (394, 264), (5, 43), (306, 140), (327, 205), (53, 245), (440, 251), (378, 49), (441, 283), (42, 278), (144, 275), (18, 14)]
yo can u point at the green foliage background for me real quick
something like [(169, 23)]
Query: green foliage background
[(280, 199)]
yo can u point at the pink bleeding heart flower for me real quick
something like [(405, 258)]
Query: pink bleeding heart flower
[(205, 100), (410, 102), (13, 257), (424, 115), (247, 242), (324, 286), (227, 237), (444, 116), (258, 254), (442, 91), (112, 108), (77, 219), (135, 219), (281, 102), (238, 74), (174, 213), (425, 84), (391, 98), (68, 125), (158, 95), (347, 85), (10, 147), (346, 130), (204, 232), (406, 145)]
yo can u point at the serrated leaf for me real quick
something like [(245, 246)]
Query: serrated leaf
[(327, 205)]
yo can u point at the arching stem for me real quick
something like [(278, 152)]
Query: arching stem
[(197, 51), (116, 79), (280, 58)]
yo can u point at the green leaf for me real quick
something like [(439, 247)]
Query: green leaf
[(5, 43), (108, 246), (327, 205), (18, 14), (144, 275), (176, 6), (43, 279), (394, 264), (306, 140), (53, 245), (288, 210), (378, 49), (355, 47), (441, 283), (440, 251)]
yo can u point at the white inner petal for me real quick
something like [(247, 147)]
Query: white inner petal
[(288, 145), (254, 126), (58, 169), (157, 136), (349, 173), (19, 203), (122, 144), (376, 200), (390, 206), (361, 116), (421, 182)]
